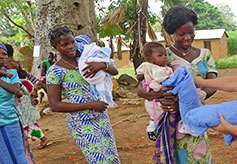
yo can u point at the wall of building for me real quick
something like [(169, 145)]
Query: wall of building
[(125, 60), (223, 47)]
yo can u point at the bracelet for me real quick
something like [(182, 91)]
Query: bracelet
[(107, 66)]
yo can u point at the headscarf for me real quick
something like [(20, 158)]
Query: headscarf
[(3, 46), (82, 40), (85, 39)]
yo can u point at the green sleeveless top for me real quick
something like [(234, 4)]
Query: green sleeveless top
[(47, 64)]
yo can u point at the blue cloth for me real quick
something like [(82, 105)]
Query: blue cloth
[(11, 145), (184, 86), (82, 40), (101, 85), (3, 46), (85, 39), (200, 119), (7, 100)]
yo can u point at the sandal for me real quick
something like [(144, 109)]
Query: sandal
[(44, 144), (151, 136)]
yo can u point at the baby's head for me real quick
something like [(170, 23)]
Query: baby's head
[(81, 41), (155, 53), (22, 74)]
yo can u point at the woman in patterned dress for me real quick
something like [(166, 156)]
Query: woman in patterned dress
[(180, 21), (87, 119)]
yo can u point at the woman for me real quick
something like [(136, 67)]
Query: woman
[(180, 21), (11, 144), (87, 119)]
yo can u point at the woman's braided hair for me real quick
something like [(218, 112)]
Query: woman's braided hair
[(177, 16), (56, 33)]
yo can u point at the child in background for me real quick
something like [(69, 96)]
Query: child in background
[(29, 114), (152, 73)]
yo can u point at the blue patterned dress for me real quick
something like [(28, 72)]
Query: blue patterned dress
[(91, 130)]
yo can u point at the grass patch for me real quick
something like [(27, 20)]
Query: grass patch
[(126, 70), (230, 62)]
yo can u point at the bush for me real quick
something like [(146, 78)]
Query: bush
[(232, 43), (230, 62)]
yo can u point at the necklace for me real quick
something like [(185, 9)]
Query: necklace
[(183, 53), (76, 68)]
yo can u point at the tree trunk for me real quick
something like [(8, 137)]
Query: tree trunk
[(139, 33), (78, 15), (168, 38)]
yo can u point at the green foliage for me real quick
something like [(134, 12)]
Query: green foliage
[(110, 30), (9, 32), (230, 62), (156, 27), (209, 17), (171, 3), (232, 43), (128, 17), (228, 14)]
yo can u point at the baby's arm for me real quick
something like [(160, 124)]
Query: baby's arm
[(4, 73), (140, 77), (228, 84)]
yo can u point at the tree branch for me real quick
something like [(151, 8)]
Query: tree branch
[(31, 15), (28, 25), (19, 26)]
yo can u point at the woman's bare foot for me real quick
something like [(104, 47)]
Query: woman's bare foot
[(44, 143)]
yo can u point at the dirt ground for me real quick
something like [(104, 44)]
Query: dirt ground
[(133, 145)]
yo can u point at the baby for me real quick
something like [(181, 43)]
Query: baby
[(97, 68), (152, 73)]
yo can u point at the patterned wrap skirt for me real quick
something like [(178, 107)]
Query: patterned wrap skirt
[(11, 145), (93, 132)]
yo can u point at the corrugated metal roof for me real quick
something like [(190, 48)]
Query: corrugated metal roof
[(199, 34)]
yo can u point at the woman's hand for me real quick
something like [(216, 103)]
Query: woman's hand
[(170, 102), (98, 106), (148, 95), (93, 68), (198, 81), (170, 105), (224, 127)]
